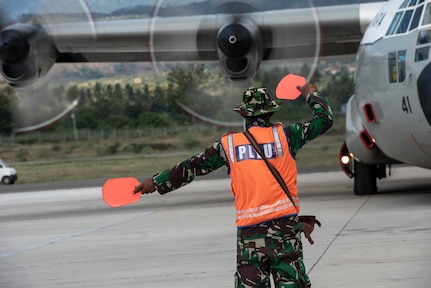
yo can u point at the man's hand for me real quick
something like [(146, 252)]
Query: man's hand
[(146, 187), (307, 89), (308, 226)]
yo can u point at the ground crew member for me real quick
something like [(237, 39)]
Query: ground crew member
[(269, 232)]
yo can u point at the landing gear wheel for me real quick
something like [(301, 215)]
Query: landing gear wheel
[(365, 179)]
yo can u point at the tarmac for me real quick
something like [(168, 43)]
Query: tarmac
[(66, 236)]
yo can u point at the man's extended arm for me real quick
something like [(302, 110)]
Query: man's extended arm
[(184, 172)]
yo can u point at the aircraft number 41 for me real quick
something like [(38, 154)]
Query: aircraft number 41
[(406, 105)]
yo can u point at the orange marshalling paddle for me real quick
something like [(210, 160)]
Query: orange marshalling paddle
[(286, 88), (118, 192)]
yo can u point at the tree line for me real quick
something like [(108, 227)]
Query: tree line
[(110, 105)]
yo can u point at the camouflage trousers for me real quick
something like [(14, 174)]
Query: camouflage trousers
[(271, 248)]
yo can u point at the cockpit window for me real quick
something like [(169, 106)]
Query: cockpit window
[(408, 17), (416, 18), (424, 37), (397, 66), (404, 25), (394, 23), (392, 60), (422, 53), (427, 15), (404, 5), (401, 66), (410, 3)]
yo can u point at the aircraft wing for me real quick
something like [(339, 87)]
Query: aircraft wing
[(285, 34), (238, 41)]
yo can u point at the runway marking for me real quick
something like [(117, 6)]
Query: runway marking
[(79, 233), (339, 233)]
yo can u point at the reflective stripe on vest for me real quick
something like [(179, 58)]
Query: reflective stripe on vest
[(230, 144), (277, 140), (265, 209)]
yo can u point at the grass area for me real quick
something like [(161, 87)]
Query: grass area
[(44, 162), (325, 152), (104, 167)]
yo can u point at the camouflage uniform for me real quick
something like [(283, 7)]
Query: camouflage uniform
[(274, 246), (271, 247)]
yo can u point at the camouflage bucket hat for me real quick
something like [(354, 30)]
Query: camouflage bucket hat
[(256, 101)]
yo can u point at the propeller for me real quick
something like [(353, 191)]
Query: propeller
[(28, 54), (243, 40)]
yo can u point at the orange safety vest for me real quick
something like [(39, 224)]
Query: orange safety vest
[(258, 195)]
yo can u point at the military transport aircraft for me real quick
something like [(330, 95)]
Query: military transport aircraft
[(388, 120)]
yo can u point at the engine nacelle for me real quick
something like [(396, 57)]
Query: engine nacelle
[(239, 48), (27, 54)]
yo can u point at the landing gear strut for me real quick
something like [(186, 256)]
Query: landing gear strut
[(366, 177)]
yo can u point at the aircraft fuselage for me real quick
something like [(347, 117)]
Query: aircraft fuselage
[(393, 88)]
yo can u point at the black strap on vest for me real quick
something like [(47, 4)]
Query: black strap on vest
[(271, 167)]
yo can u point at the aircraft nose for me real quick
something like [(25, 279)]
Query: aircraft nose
[(424, 91)]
